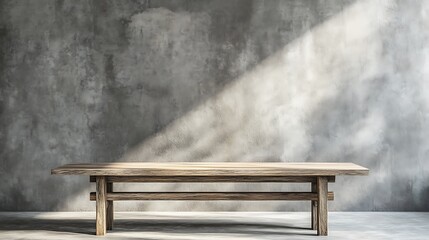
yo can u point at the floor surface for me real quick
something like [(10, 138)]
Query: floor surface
[(214, 225)]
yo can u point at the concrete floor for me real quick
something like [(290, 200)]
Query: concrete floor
[(214, 225)]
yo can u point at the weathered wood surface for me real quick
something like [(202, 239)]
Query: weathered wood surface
[(212, 169), (296, 179), (322, 206), (109, 208), (314, 207), (101, 206), (203, 196), (318, 174)]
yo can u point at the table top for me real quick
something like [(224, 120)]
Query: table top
[(212, 169)]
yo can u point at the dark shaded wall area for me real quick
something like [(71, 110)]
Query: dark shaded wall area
[(293, 81)]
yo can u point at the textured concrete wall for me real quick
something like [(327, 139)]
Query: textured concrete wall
[(326, 80)]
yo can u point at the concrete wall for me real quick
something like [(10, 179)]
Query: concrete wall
[(292, 81)]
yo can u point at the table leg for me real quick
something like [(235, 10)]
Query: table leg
[(314, 208), (322, 206), (101, 206), (109, 217)]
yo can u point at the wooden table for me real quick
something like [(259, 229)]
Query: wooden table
[(105, 174)]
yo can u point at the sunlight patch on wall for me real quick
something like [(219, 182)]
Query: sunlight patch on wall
[(266, 114)]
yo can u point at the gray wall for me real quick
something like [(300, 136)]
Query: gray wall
[(292, 81)]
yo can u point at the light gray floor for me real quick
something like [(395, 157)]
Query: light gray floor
[(214, 225)]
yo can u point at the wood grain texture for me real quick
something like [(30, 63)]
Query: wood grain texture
[(204, 196), (314, 207), (322, 206), (109, 208), (211, 169), (101, 206), (292, 179)]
